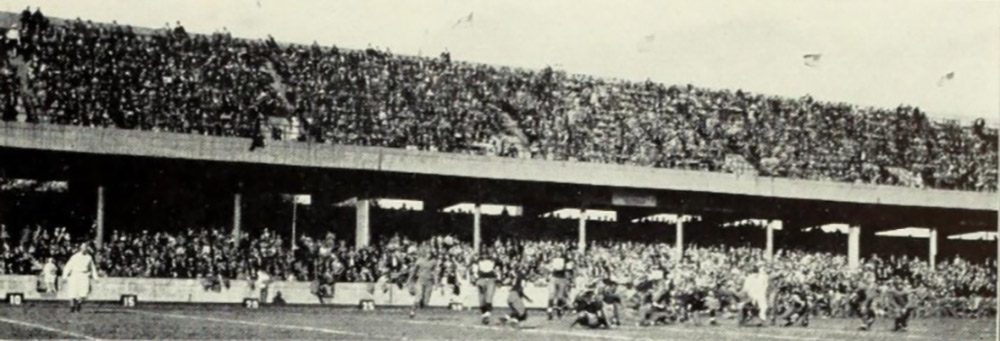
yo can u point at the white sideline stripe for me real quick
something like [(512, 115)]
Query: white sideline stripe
[(47, 328), (258, 324)]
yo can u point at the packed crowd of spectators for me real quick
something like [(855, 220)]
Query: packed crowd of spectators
[(955, 287), (82, 73)]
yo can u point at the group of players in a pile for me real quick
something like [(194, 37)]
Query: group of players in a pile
[(670, 291)]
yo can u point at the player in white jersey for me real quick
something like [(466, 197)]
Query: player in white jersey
[(79, 270), (50, 273), (755, 286)]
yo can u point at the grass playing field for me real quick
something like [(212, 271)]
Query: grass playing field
[(148, 321)]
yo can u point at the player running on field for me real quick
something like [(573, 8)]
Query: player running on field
[(755, 287), (50, 273), (862, 302), (422, 278), (486, 272), (79, 271), (561, 276), (898, 302)]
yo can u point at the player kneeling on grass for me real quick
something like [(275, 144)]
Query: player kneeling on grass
[(590, 311), (516, 298), (79, 270)]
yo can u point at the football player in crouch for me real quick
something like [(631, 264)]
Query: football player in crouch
[(516, 298), (590, 310)]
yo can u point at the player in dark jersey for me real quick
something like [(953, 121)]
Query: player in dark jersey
[(485, 270), (794, 305), (702, 301), (657, 305), (516, 298), (561, 278), (610, 293), (590, 311), (861, 302), (899, 305)]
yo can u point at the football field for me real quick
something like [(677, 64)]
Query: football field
[(149, 321)]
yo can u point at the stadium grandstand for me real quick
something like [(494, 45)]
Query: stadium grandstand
[(199, 164)]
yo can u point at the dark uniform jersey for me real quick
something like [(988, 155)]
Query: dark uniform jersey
[(561, 267), (883, 273), (588, 302), (519, 283), (487, 267)]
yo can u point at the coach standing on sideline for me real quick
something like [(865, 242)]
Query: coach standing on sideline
[(79, 270), (485, 270)]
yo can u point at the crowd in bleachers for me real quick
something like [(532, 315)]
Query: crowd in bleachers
[(955, 287), (108, 75)]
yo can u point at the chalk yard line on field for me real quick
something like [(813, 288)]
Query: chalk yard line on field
[(602, 336), (766, 333), (257, 324), (47, 328)]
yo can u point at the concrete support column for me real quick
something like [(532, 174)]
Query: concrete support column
[(99, 219), (679, 238), (477, 232), (853, 246), (362, 231), (582, 240), (237, 216), (771, 226), (932, 257)]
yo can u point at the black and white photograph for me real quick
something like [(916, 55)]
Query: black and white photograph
[(744, 170)]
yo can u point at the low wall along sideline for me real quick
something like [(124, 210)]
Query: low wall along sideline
[(170, 290)]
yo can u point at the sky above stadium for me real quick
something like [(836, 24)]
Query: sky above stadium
[(879, 53)]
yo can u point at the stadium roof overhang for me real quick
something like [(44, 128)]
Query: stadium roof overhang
[(334, 174)]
